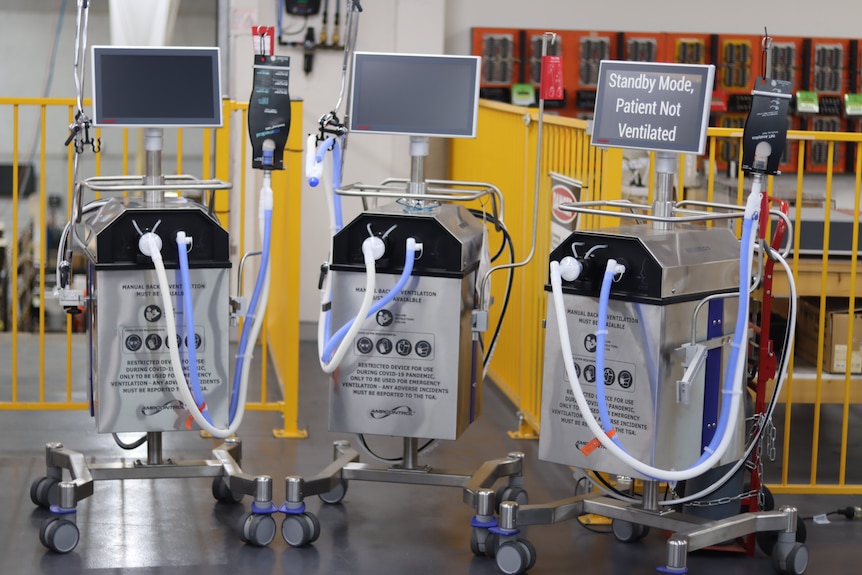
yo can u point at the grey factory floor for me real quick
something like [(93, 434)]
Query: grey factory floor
[(174, 527)]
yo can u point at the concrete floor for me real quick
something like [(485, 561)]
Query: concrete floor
[(174, 527)]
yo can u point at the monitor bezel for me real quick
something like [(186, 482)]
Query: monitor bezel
[(214, 53), (477, 72)]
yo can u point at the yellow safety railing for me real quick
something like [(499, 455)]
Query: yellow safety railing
[(28, 389), (504, 155)]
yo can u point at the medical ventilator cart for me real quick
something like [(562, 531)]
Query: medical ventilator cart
[(404, 300), (648, 331), (158, 304)]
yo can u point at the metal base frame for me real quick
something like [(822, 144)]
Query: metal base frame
[(690, 532), (230, 484), (331, 483)]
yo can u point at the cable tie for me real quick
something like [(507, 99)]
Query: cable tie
[(595, 443), (709, 450), (602, 332)]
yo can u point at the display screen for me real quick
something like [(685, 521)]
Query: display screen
[(156, 87), (415, 95)]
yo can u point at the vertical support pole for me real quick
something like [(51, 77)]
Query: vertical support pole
[(411, 453), (663, 203), (153, 144), (650, 496), (154, 448), (418, 151)]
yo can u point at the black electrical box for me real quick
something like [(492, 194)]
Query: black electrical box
[(26, 180), (302, 7)]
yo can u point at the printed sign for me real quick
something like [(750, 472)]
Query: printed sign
[(564, 190), (650, 106)]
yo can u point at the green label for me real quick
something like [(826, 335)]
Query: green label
[(853, 104), (807, 102)]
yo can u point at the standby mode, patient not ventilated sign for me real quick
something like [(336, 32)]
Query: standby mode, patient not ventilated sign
[(652, 106)]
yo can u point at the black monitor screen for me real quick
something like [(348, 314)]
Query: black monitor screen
[(415, 95), (26, 180), (156, 87)]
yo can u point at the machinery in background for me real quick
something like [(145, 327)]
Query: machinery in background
[(159, 340), (824, 71), (644, 373)]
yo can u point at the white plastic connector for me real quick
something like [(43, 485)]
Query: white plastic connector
[(619, 270), (183, 239), (376, 245), (570, 268), (150, 245)]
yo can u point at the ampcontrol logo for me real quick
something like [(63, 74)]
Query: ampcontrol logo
[(174, 404), (384, 413)]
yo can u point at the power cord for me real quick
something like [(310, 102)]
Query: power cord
[(581, 520), (364, 442), (850, 512)]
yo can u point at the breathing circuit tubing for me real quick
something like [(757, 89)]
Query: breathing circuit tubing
[(733, 379), (150, 245), (315, 173), (770, 408), (372, 249), (331, 350)]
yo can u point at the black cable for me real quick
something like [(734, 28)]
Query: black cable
[(507, 240), (600, 478), (365, 446), (849, 512), (497, 226), (505, 306), (134, 445)]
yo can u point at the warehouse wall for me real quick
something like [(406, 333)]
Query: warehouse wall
[(433, 26), (731, 16)]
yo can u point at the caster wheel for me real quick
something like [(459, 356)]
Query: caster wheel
[(488, 545), (315, 526), (300, 530), (515, 557), (475, 547), (795, 563), (44, 491), (491, 545), (59, 535), (766, 540), (510, 493), (628, 532), (336, 494), (223, 493), (531, 552), (257, 529)]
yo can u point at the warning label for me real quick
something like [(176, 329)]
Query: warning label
[(622, 411), (380, 379), (157, 375)]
